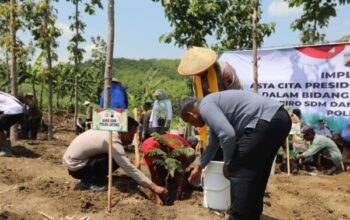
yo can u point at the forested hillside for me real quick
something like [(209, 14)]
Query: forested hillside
[(142, 77)]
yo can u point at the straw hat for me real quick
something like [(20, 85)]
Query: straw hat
[(196, 60), (86, 103)]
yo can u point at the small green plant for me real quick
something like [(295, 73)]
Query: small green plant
[(173, 162), (169, 159)]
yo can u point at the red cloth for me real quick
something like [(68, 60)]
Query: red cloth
[(150, 143)]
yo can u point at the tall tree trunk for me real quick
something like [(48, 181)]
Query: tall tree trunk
[(255, 56), (76, 63), (72, 92), (50, 116), (109, 55), (101, 82), (34, 90), (8, 71), (41, 95), (13, 61), (314, 27), (57, 100), (50, 112), (50, 77), (76, 109), (107, 89)]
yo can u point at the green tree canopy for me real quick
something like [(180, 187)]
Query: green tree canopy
[(229, 21), (315, 17)]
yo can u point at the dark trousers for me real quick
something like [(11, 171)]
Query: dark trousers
[(30, 126), (79, 130), (6, 121), (321, 159), (35, 127), (95, 171), (88, 123), (250, 167)]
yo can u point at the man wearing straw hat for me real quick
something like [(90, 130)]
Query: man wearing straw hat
[(202, 66), (200, 61), (250, 129)]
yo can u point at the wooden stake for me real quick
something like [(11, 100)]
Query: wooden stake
[(107, 89), (273, 168), (109, 172), (137, 153), (136, 140), (255, 45), (287, 152)]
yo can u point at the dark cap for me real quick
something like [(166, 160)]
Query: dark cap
[(185, 104), (307, 129)]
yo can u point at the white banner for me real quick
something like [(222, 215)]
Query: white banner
[(314, 79)]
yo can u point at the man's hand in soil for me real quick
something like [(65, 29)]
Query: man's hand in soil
[(158, 189), (158, 200), (195, 176)]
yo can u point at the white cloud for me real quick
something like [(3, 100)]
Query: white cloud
[(63, 55), (62, 59), (279, 8), (88, 51), (66, 33)]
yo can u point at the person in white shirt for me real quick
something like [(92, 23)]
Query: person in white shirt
[(11, 112), (162, 112), (86, 159), (323, 130)]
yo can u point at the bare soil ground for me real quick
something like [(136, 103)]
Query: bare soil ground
[(33, 183)]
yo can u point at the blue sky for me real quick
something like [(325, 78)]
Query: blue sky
[(139, 23)]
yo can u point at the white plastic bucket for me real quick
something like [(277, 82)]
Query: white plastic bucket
[(216, 188)]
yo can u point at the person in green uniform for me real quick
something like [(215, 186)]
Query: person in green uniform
[(323, 148)]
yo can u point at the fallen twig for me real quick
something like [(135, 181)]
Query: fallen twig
[(9, 189), (220, 214), (69, 218), (46, 215)]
